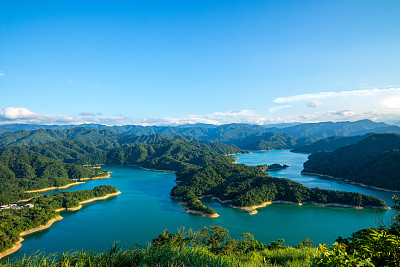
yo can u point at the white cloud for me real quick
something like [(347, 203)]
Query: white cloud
[(382, 104), (24, 115), (19, 113), (235, 116), (354, 93), (1, 73), (345, 115), (391, 102), (275, 109), (378, 105), (314, 104)]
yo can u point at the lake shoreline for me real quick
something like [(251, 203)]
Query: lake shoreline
[(252, 210), (14, 248), (88, 201), (349, 181), (68, 185), (53, 188), (18, 245)]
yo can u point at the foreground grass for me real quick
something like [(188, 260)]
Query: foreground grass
[(169, 256)]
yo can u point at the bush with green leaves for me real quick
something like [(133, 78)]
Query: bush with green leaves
[(367, 247)]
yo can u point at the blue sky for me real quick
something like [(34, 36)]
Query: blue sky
[(174, 62)]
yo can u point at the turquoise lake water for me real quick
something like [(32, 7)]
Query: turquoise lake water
[(144, 209)]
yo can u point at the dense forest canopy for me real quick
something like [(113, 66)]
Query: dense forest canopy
[(175, 155), (250, 185), (329, 144), (71, 199), (235, 130), (34, 171), (101, 139), (30, 170), (374, 161), (245, 136)]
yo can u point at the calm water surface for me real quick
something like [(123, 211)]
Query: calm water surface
[(143, 210)]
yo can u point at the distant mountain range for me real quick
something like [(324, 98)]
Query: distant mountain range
[(245, 136), (209, 131), (102, 139)]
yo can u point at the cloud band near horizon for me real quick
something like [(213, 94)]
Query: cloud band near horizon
[(375, 104)]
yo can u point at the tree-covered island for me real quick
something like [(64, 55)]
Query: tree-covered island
[(273, 167)]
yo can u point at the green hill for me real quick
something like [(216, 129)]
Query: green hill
[(101, 139), (267, 141), (329, 144), (64, 150), (175, 155), (374, 161), (34, 171)]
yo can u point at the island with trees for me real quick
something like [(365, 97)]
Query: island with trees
[(273, 167)]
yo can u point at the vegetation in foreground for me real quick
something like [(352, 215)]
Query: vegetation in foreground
[(367, 247), (207, 247)]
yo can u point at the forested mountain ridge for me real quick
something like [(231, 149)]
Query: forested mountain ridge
[(108, 139), (230, 132), (64, 150), (267, 141), (344, 128), (175, 155), (329, 144), (101, 139), (373, 161), (240, 135)]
